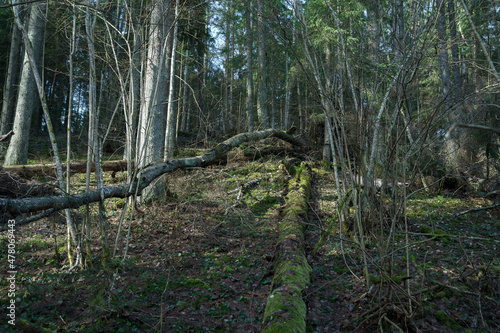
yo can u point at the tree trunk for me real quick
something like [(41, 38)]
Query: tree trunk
[(132, 112), (152, 119), (27, 100), (451, 146), (250, 112), (185, 108), (457, 78), (290, 75), (262, 110), (171, 111), (11, 82), (290, 81)]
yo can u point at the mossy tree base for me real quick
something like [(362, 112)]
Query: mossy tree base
[(285, 309)]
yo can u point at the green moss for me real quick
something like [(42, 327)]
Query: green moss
[(325, 165), (285, 312), (447, 320), (196, 283), (320, 172), (120, 202), (294, 272), (376, 279), (230, 270), (285, 309), (439, 234), (210, 255), (444, 293)]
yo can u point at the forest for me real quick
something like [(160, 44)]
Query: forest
[(250, 166)]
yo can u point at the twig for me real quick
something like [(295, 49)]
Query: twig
[(477, 209)]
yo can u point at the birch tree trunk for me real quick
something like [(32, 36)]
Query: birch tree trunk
[(27, 99)]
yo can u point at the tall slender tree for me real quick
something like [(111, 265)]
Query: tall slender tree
[(11, 82), (249, 74), (262, 110), (171, 110), (27, 101)]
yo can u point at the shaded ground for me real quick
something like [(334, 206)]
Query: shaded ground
[(454, 284), (200, 259)]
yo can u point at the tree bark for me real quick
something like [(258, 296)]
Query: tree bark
[(457, 78), (152, 119), (171, 110), (262, 110), (132, 112), (11, 81), (27, 100), (250, 113)]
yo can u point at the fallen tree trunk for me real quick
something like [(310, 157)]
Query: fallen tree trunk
[(144, 177), (285, 309), (40, 170)]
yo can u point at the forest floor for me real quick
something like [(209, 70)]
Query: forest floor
[(200, 260)]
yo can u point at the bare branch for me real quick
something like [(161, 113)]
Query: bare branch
[(473, 126)]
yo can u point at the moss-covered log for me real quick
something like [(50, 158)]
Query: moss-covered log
[(285, 309)]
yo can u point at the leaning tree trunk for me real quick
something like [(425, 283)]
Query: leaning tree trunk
[(27, 100)]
